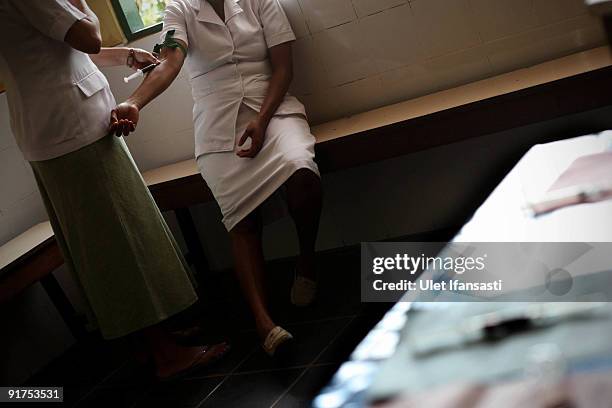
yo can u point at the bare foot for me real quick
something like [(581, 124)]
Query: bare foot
[(188, 358)]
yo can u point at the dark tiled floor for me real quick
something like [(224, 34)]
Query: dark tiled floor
[(312, 380), (103, 374)]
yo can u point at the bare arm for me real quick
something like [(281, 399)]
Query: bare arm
[(160, 78), (84, 35), (282, 74), (110, 57), (124, 117), (117, 56)]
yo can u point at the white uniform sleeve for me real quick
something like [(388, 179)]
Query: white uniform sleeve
[(275, 23), (52, 18), (174, 19)]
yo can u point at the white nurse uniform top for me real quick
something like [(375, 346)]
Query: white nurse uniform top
[(229, 71), (59, 101)]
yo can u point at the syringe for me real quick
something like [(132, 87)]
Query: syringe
[(140, 72)]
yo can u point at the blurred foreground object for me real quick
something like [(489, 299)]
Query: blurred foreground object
[(603, 8)]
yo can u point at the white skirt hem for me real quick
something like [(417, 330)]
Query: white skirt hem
[(272, 214)]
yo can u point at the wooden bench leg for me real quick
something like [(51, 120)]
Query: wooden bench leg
[(63, 306), (192, 240)]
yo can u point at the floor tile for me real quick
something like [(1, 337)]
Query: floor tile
[(84, 365), (342, 347), (338, 291), (131, 374), (375, 308), (72, 395), (307, 387), (116, 397), (310, 340), (242, 345), (179, 394), (256, 390)]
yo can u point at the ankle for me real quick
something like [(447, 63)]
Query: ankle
[(306, 267), (263, 328)]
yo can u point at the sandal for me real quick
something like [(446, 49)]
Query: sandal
[(198, 362), (303, 291), (277, 338)]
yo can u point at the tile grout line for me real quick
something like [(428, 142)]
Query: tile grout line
[(305, 322), (201, 403), (299, 377), (340, 332), (98, 385), (225, 378), (260, 371), (325, 320), (312, 363)]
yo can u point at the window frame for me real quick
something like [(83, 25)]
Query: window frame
[(125, 25)]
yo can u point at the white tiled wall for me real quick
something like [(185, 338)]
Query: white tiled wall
[(20, 204), (407, 48)]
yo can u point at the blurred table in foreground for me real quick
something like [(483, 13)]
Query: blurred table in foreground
[(501, 218)]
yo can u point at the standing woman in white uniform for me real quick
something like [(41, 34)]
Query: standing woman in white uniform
[(251, 136), (103, 216)]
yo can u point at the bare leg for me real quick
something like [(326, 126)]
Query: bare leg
[(171, 358), (304, 196), (249, 265)]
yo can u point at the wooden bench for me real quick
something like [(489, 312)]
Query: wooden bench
[(577, 83)]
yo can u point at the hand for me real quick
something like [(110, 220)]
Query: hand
[(124, 119), (143, 59), (256, 131)]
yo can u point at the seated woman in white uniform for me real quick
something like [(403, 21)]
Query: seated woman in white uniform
[(251, 136)]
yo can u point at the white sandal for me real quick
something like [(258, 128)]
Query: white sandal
[(275, 338), (303, 291)]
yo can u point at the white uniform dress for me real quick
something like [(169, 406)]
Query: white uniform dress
[(229, 71)]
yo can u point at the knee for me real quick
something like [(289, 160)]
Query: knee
[(305, 183), (247, 226), (304, 189)]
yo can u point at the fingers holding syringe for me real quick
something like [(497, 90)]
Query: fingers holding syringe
[(144, 58)]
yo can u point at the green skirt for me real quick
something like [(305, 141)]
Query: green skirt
[(114, 238)]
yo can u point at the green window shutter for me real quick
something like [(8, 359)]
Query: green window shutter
[(130, 10)]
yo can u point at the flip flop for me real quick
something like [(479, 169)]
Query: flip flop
[(197, 363)]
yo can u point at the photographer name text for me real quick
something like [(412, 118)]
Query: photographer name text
[(454, 285)]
